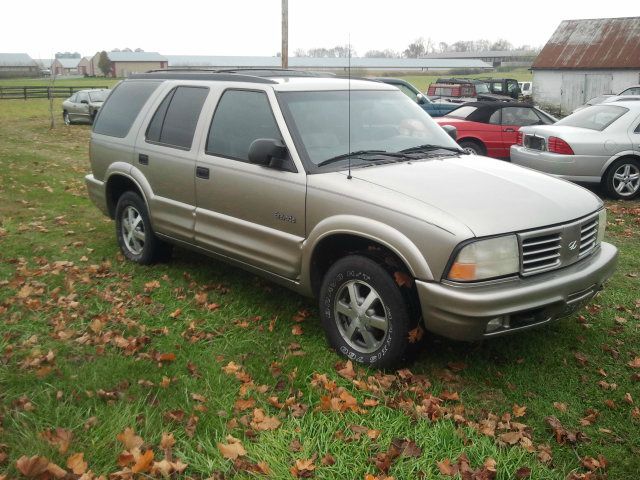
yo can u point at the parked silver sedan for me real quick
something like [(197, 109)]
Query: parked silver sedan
[(83, 106), (599, 144)]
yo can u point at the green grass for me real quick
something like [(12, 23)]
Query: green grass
[(46, 217)]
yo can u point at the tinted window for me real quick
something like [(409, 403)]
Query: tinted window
[(461, 112), (241, 117), (637, 130), (631, 91), (596, 117), (408, 92), (519, 116), (494, 119), (174, 123), (122, 107)]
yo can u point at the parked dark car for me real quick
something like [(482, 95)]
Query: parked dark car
[(490, 128), (504, 86), (463, 90), (435, 109)]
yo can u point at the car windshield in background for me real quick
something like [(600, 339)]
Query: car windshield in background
[(596, 117), (462, 112), (380, 121), (100, 96), (482, 88)]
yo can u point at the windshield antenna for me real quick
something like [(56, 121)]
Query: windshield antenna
[(349, 105)]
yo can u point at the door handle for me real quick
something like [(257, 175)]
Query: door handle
[(509, 130), (143, 159), (202, 172)]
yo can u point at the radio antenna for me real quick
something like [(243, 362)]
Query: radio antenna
[(349, 105)]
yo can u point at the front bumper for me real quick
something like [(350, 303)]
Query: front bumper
[(97, 193), (463, 312)]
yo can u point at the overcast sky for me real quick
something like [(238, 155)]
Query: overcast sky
[(252, 27)]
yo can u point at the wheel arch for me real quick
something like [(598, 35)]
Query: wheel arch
[(475, 140), (625, 154), (119, 182), (337, 237)]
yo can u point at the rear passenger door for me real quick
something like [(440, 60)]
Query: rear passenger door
[(166, 155), (251, 213)]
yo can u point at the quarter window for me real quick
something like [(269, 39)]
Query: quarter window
[(241, 117), (122, 107), (175, 120), (519, 116)]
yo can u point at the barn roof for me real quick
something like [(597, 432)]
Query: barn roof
[(593, 44), (136, 57), (193, 61), (16, 60), (68, 62)]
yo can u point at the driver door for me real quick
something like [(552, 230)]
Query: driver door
[(82, 106), (251, 213)]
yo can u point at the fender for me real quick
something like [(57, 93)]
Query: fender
[(625, 153), (124, 169), (376, 231)]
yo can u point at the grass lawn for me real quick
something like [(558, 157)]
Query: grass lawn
[(91, 345)]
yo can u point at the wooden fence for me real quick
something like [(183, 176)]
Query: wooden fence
[(24, 93)]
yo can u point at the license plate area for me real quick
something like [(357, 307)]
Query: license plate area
[(534, 143)]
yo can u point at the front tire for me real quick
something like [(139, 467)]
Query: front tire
[(364, 313), (622, 180), (65, 118), (136, 238)]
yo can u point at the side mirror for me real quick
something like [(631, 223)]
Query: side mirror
[(420, 99), (271, 153), (451, 131), (85, 102)]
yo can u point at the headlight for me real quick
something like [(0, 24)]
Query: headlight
[(602, 225), (494, 257)]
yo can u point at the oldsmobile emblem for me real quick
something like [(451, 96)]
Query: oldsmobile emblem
[(573, 245)]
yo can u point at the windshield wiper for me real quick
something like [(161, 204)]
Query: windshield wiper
[(359, 153), (429, 146)]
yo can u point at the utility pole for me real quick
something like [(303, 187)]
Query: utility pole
[(284, 54)]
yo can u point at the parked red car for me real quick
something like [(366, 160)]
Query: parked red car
[(490, 128)]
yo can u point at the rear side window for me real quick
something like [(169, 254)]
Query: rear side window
[(596, 117), (461, 112), (122, 107), (175, 120), (519, 116), (241, 117)]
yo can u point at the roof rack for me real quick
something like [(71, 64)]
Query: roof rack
[(187, 74)]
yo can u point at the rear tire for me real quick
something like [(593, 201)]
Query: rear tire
[(622, 180), (471, 147), (364, 313), (136, 238)]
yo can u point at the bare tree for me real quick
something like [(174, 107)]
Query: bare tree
[(415, 49), (502, 44), (52, 81), (387, 53)]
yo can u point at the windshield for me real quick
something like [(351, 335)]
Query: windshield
[(380, 120), (482, 88), (99, 96), (596, 117)]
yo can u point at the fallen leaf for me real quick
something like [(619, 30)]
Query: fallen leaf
[(144, 462), (635, 363), (233, 449), (403, 280), (523, 472), (297, 330), (77, 464), (31, 467), (130, 439), (519, 411)]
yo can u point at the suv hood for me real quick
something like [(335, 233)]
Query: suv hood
[(489, 196)]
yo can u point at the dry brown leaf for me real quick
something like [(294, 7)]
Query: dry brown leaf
[(263, 422), (402, 279), (143, 462), (519, 411), (297, 330), (31, 467), (635, 363), (77, 464), (56, 470), (130, 439), (176, 313), (347, 371), (60, 438), (233, 449)]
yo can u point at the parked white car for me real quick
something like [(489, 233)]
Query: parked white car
[(526, 89), (598, 144)]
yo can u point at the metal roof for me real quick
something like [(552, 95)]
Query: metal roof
[(44, 62), (314, 62), (593, 44), (136, 57), (484, 54), (16, 60), (68, 62)]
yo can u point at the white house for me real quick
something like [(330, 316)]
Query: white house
[(586, 58)]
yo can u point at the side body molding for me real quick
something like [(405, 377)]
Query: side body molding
[(373, 230)]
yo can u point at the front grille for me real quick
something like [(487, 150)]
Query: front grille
[(588, 234), (555, 247), (541, 253)]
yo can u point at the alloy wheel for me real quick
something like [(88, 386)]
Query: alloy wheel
[(133, 230), (361, 316), (626, 180)]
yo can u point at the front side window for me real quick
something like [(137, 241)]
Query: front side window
[(99, 96), (495, 117), (175, 120), (82, 96), (241, 117), (631, 91), (596, 117), (482, 88)]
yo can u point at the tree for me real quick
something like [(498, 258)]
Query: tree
[(416, 49), (300, 52), (502, 44), (387, 53), (104, 64)]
